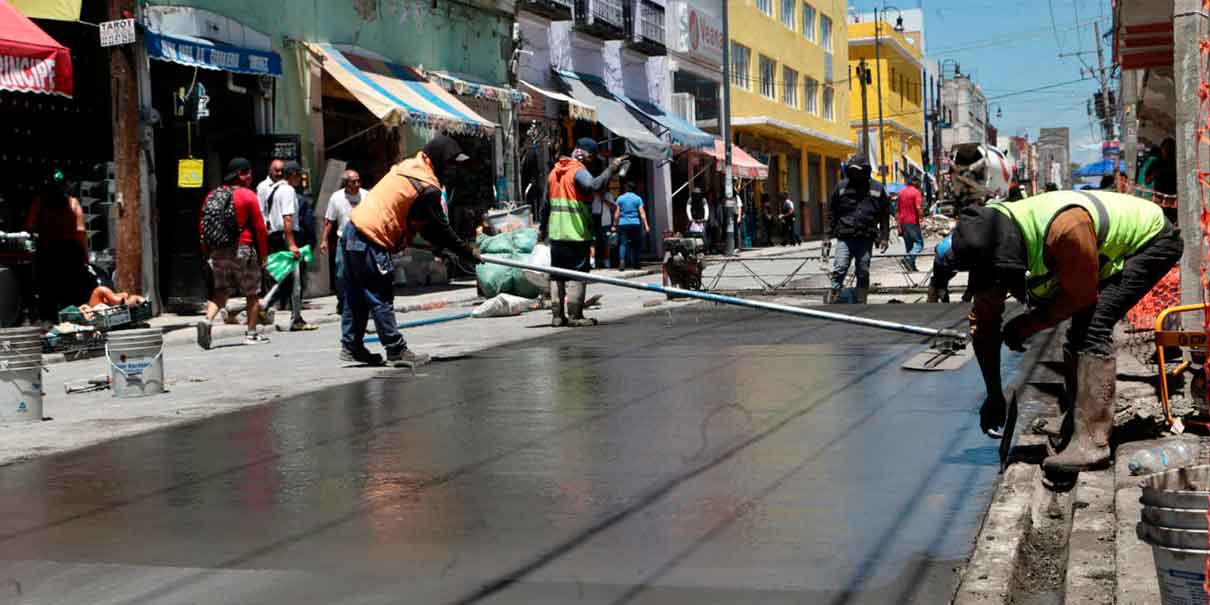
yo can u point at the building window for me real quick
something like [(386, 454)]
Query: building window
[(810, 94), (741, 74), (768, 77), (808, 22), (787, 13), (765, 6), (651, 17), (825, 32), (789, 83), (828, 95)]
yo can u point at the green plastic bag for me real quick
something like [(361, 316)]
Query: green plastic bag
[(281, 264), (495, 279)]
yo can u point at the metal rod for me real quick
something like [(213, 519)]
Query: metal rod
[(728, 300)]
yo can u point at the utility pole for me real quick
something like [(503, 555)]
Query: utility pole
[(730, 204), (863, 76), (878, 72), (1103, 76), (124, 89)]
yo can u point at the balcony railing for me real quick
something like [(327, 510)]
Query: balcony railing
[(561, 10), (606, 18), (645, 26)]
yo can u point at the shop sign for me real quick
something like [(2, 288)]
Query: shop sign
[(189, 174), (700, 34), (117, 33)]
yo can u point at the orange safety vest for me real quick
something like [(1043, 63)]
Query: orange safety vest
[(383, 217), (570, 209)]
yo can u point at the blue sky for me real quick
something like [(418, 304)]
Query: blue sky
[(1010, 46)]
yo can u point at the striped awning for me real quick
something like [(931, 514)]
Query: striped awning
[(398, 94), (466, 85)]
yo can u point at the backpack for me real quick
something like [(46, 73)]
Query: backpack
[(219, 227)]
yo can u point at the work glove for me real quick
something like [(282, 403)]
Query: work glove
[(1014, 333), (992, 415)]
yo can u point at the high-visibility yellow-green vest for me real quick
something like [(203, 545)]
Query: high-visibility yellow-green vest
[(1123, 225), (570, 209)]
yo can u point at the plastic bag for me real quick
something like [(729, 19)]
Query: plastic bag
[(495, 279), (502, 305), (540, 257)]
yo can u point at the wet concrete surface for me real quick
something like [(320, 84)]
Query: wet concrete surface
[(693, 455)]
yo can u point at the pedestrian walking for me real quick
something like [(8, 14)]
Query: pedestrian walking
[(603, 206), (567, 225), (698, 213), (859, 219), (768, 220), (1085, 255), (61, 259), (789, 228), (340, 207), (235, 241), (282, 208), (909, 214), (266, 185), (407, 202), (632, 225)]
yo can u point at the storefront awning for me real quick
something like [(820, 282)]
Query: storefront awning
[(575, 109), (743, 166), (199, 52), (30, 60), (58, 10), (469, 86), (613, 115), (679, 131), (398, 94)]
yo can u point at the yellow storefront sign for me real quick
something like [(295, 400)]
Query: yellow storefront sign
[(189, 174)]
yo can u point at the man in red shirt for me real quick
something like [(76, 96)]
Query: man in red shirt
[(238, 266), (909, 215)]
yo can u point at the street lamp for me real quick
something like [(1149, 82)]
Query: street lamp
[(878, 15)]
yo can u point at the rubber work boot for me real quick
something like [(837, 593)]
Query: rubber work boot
[(1054, 427), (1091, 418), (576, 292), (862, 295), (558, 290)]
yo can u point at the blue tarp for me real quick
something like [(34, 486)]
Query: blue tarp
[(1099, 168), (196, 52)]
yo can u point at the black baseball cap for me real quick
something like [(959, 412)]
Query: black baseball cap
[(291, 168), (235, 167)]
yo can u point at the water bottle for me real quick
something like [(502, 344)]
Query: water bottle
[(1171, 455)]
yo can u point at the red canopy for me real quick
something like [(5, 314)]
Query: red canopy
[(30, 60)]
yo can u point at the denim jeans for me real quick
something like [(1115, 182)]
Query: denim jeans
[(289, 289), (339, 258), (858, 252), (632, 245), (1091, 330), (913, 242), (369, 291)]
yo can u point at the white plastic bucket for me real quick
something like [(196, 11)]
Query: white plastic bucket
[(21, 391), (1181, 574), (136, 364)]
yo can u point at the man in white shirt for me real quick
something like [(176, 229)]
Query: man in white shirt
[(340, 207), (281, 211), (262, 188)]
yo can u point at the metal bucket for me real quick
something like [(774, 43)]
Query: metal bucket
[(21, 391), (1178, 488), (1175, 518), (136, 363)]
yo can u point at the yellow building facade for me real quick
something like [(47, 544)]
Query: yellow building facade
[(790, 102), (895, 60)]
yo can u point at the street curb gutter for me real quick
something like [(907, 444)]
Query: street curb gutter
[(989, 575)]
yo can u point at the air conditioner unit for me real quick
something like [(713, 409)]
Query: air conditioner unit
[(684, 104)]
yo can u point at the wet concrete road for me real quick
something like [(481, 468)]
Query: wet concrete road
[(689, 456)]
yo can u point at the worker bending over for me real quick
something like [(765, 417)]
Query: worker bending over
[(1087, 256)]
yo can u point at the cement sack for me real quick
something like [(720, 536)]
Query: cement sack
[(503, 305)]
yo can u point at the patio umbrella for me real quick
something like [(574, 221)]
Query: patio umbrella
[(30, 60)]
